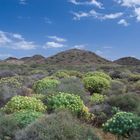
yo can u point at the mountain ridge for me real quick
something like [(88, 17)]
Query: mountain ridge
[(72, 57)]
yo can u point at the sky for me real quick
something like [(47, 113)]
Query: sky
[(110, 28)]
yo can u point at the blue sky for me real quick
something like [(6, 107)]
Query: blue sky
[(110, 28)]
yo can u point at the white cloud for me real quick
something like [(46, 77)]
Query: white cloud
[(58, 39), (3, 38), (81, 46), (137, 13), (129, 3), (47, 20), (23, 2), (53, 45), (87, 2), (15, 41), (96, 15), (112, 16), (134, 7), (123, 22), (99, 52)]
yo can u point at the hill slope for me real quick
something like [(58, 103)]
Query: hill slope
[(76, 57), (39, 59), (128, 61)]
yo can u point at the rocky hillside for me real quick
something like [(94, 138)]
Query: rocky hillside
[(76, 57), (128, 61)]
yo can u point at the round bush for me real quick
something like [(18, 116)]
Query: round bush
[(24, 118), (134, 77), (19, 103), (61, 74), (126, 102), (65, 100), (100, 74), (73, 86), (8, 127), (97, 98), (58, 126), (41, 86), (9, 87), (96, 84), (122, 124), (75, 73), (117, 87), (136, 86)]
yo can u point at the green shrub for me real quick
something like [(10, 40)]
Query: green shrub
[(71, 102), (126, 102), (19, 103), (9, 87), (99, 74), (122, 124), (58, 126), (136, 86), (24, 118), (73, 86), (65, 100), (97, 98), (61, 74), (117, 87), (100, 118), (41, 86), (8, 127), (120, 73), (75, 73), (39, 96), (96, 84), (134, 77)]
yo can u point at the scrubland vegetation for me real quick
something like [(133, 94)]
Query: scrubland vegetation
[(52, 103)]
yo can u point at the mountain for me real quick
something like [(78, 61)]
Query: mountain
[(132, 61), (13, 60), (76, 57), (39, 59)]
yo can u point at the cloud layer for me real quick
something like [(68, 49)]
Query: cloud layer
[(15, 41), (130, 9), (90, 2)]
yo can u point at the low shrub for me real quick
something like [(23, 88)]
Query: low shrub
[(96, 84), (72, 86), (136, 86), (71, 102), (134, 77), (75, 73), (117, 87), (58, 126), (8, 127), (126, 102), (97, 98), (99, 74), (9, 87), (120, 74), (122, 124), (65, 100), (41, 97), (41, 86), (19, 103), (61, 74), (100, 119), (24, 118)]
